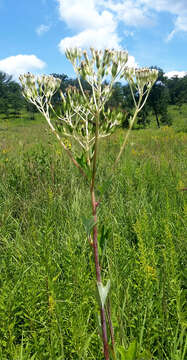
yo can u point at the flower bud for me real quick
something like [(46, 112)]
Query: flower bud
[(86, 57), (93, 53), (114, 69), (82, 68), (98, 60), (106, 57)]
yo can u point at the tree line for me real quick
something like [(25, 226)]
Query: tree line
[(164, 92)]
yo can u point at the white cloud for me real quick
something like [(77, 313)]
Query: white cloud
[(131, 62), (181, 22), (94, 26), (95, 38), (99, 39), (173, 73), (42, 29), (173, 6), (178, 8), (142, 12), (81, 15), (19, 64), (131, 12), (171, 35)]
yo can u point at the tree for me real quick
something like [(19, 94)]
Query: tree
[(178, 91), (117, 98), (158, 100), (11, 99), (31, 109), (143, 117), (5, 80), (15, 97)]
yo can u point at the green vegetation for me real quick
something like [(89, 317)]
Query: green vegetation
[(165, 92), (47, 291)]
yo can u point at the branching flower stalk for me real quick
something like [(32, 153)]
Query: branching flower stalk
[(142, 80), (84, 121)]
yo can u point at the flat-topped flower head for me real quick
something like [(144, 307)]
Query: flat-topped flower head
[(140, 78), (147, 75), (98, 63), (144, 75), (36, 86)]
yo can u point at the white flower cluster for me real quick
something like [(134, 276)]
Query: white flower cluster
[(109, 62), (100, 64), (83, 111), (141, 77), (35, 87)]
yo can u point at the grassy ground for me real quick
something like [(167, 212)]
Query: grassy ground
[(47, 289)]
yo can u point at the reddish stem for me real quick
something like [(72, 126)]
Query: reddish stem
[(98, 274), (110, 326)]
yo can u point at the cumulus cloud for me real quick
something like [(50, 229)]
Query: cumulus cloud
[(131, 62), (130, 12), (81, 15), (42, 29), (99, 39), (173, 6), (94, 26), (19, 64), (141, 12), (181, 22), (173, 73), (95, 38)]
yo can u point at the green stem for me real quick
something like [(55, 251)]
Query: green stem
[(128, 132), (126, 138)]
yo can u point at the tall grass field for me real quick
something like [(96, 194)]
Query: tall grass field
[(48, 307)]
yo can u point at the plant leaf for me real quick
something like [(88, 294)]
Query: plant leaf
[(103, 291), (84, 165), (88, 224), (131, 352)]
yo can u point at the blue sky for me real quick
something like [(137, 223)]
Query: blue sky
[(35, 33)]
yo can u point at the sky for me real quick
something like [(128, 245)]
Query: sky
[(35, 33)]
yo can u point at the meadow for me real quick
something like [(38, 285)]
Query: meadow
[(48, 308)]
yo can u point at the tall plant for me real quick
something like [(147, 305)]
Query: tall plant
[(83, 120)]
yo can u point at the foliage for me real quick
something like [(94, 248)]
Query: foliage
[(178, 91), (11, 98), (159, 99)]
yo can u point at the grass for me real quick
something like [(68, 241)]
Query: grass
[(178, 117), (47, 293)]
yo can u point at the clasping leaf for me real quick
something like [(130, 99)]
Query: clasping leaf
[(103, 292)]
